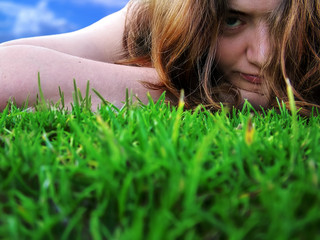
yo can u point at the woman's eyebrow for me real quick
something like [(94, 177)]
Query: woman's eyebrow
[(248, 13), (237, 12)]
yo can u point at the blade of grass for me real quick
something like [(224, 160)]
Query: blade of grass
[(249, 132), (75, 95), (294, 124), (177, 121), (61, 94), (292, 104), (4, 117), (101, 97), (41, 104), (80, 98), (88, 97), (26, 103)]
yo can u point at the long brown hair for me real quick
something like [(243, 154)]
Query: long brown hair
[(296, 42), (179, 38)]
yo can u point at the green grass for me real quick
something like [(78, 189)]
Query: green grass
[(157, 172)]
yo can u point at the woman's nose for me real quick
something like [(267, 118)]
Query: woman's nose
[(259, 45)]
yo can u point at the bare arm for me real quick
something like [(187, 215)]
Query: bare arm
[(18, 76), (87, 54), (102, 41)]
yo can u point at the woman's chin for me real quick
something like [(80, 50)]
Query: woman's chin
[(257, 100)]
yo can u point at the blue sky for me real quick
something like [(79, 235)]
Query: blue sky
[(27, 18)]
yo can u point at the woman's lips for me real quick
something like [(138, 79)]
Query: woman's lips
[(256, 79)]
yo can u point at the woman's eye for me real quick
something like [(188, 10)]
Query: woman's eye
[(233, 22)]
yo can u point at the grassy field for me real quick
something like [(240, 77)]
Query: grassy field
[(158, 172)]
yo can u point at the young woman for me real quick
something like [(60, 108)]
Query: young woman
[(217, 51)]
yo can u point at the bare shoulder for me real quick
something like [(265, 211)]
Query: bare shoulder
[(105, 36), (101, 41)]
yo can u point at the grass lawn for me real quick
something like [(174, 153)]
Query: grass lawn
[(158, 172)]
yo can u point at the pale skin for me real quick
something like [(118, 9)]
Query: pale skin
[(244, 46), (91, 53)]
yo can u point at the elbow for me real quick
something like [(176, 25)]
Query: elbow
[(14, 43), (7, 43)]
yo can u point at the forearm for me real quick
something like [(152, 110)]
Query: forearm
[(19, 67), (62, 43)]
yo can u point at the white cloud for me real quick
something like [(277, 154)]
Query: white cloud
[(106, 3), (33, 20)]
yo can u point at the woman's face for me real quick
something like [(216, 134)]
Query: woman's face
[(244, 46)]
